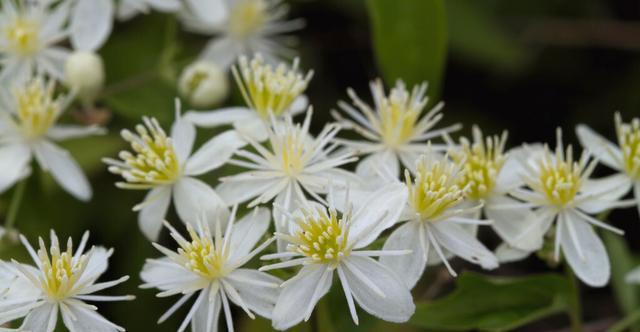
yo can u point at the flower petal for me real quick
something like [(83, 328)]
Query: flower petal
[(609, 188), (219, 117), (510, 223), (372, 165), (458, 241), (236, 192), (14, 164), (209, 11), (248, 231), (608, 153), (165, 5), (508, 254), (203, 315), (214, 153), (41, 319), (164, 274), (633, 277), (91, 24), (259, 298), (253, 127), (64, 169), (183, 134), (593, 268), (407, 237), (194, 199), (154, 209), (63, 132), (96, 265), (79, 318)]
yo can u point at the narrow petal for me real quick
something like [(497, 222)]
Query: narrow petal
[(207, 315), (91, 24), (609, 188), (248, 231), (258, 298), (87, 320), (153, 211), (14, 160), (412, 265), (508, 254), (212, 12), (214, 153), (600, 147), (64, 169), (64, 132), (372, 165), (236, 192), (183, 134), (253, 127), (510, 223), (194, 198), (462, 244), (594, 269), (220, 117), (41, 319)]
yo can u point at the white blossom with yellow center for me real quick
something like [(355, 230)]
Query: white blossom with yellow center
[(28, 129), (29, 32), (60, 281), (324, 241), (623, 157), (562, 194), (241, 27), (166, 166), (435, 221), (268, 90), (210, 268), (394, 129)]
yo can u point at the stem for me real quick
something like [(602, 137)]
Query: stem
[(574, 301), (626, 322), (16, 201)]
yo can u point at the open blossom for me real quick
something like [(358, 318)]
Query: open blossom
[(269, 91), (435, 220), (624, 158), (166, 166), (324, 241), (210, 268), (28, 128), (562, 194), (60, 282), (241, 27), (394, 130), (30, 32)]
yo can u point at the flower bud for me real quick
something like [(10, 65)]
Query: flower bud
[(84, 73), (203, 84)]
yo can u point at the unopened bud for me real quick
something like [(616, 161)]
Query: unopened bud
[(203, 84), (84, 73)]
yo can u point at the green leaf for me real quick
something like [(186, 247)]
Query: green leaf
[(494, 304), (410, 40)]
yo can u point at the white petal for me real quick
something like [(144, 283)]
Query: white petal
[(91, 23), (633, 277), (220, 117), (183, 134), (63, 132), (594, 270), (299, 105), (372, 165), (153, 212), (248, 231), (81, 319), (236, 192), (41, 319), (14, 160), (194, 199), (608, 153), (253, 127), (203, 315), (164, 274), (510, 223), (165, 5), (508, 254), (510, 176), (96, 266), (604, 191), (209, 11), (407, 237), (214, 153), (64, 169), (223, 51), (396, 305), (295, 297), (260, 299), (458, 241)]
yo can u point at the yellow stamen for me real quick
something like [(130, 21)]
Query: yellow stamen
[(322, 236), (247, 17), (629, 141), (23, 36), (202, 256), (37, 110), (60, 270)]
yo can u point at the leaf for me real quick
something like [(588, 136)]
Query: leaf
[(494, 304), (410, 40)]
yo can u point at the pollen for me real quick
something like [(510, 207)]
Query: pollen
[(202, 256), (322, 236), (436, 187), (153, 160), (23, 36), (60, 270), (37, 109), (268, 89), (629, 141), (247, 17), (481, 161), (560, 177)]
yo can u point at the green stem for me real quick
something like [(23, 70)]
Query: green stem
[(16, 201), (575, 309), (626, 322)]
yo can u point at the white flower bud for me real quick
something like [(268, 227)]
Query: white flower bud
[(84, 73), (203, 84)]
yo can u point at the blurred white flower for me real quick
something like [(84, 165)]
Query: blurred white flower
[(28, 127), (291, 166), (561, 193), (84, 74), (210, 268), (435, 221), (203, 84), (394, 131), (267, 90), (624, 158), (30, 31), (166, 165), (241, 27), (60, 281), (322, 241)]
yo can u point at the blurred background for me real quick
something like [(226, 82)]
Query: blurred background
[(525, 66)]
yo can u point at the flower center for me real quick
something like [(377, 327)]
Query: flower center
[(60, 270), (629, 141), (436, 188), (269, 90), (481, 161), (37, 110), (322, 236), (201, 255), (559, 178), (247, 17), (153, 162), (23, 36), (398, 114)]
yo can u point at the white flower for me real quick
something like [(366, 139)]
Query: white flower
[(242, 27), (203, 84), (624, 158), (28, 130), (291, 166), (30, 30), (435, 221), (267, 90), (84, 74), (60, 282), (211, 270), (91, 21), (561, 193), (323, 242), (394, 129), (165, 165)]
